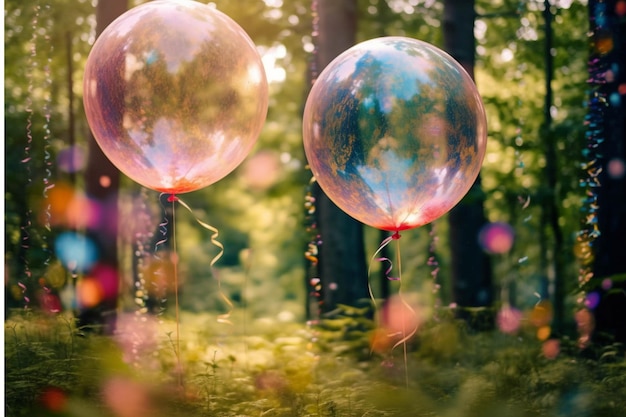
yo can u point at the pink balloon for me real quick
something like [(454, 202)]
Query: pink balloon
[(394, 132), (175, 94)]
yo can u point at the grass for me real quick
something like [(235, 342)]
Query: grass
[(289, 369)]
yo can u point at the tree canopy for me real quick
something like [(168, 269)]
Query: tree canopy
[(259, 209)]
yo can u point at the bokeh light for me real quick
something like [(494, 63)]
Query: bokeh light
[(83, 212), (398, 323), (59, 199), (592, 300), (604, 43), (509, 319), (71, 208), (108, 279), (380, 341), (50, 303), (615, 99), (105, 181), (585, 324), (262, 170), (53, 399), (56, 275), (400, 317), (137, 336), (127, 398), (76, 251), (541, 314), (544, 332), (72, 159), (89, 292), (616, 168), (551, 348), (496, 238)]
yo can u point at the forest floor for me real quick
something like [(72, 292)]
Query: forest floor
[(268, 367)]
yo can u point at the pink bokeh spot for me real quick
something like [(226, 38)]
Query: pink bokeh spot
[(108, 280), (509, 320), (496, 238), (551, 348)]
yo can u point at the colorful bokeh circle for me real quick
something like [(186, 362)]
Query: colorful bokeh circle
[(496, 237)]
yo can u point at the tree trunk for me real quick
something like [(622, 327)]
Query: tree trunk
[(609, 267), (102, 180), (470, 266), (341, 265)]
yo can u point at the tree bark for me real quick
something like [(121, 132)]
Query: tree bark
[(102, 181), (470, 266), (341, 261)]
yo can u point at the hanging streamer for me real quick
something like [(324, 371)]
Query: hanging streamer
[(27, 158), (403, 333), (143, 235), (433, 263), (161, 244), (314, 38), (311, 255), (222, 318), (310, 209), (163, 228), (600, 72), (48, 184), (375, 257), (594, 136)]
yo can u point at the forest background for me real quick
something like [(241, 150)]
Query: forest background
[(259, 209), (532, 68)]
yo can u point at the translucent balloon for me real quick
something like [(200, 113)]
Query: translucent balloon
[(175, 94), (394, 132)]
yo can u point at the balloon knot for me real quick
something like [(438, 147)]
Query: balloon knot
[(172, 198), (396, 235)]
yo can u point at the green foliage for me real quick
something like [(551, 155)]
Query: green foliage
[(290, 370), (270, 365), (265, 220)]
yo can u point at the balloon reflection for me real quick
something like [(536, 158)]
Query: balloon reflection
[(394, 132), (176, 108)]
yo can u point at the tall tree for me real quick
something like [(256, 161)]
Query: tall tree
[(102, 181), (341, 265), (470, 266), (550, 198), (608, 133)]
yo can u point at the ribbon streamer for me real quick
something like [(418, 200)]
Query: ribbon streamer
[(222, 318), (376, 258), (405, 336), (27, 159)]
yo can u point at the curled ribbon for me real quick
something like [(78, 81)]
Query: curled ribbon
[(406, 334), (222, 318), (377, 258)]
